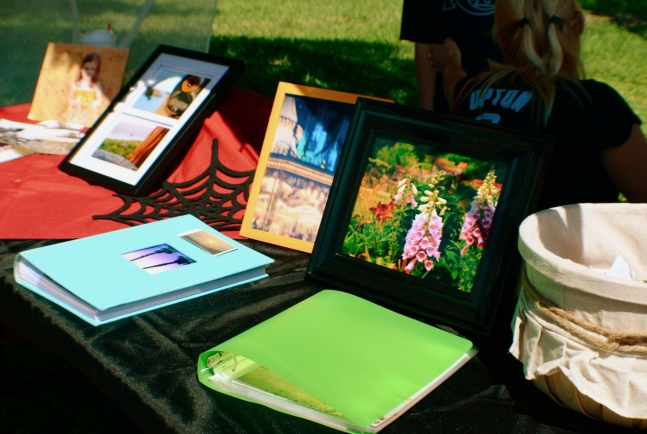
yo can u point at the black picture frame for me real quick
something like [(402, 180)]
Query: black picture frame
[(146, 126), (439, 144)]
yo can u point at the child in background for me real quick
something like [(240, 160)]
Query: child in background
[(468, 22), (599, 146), (85, 95)]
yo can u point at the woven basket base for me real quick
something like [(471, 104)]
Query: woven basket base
[(558, 387)]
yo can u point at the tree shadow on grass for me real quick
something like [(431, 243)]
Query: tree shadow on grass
[(630, 14), (367, 68), (632, 22)]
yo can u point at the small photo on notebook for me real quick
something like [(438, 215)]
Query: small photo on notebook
[(158, 258), (208, 242)]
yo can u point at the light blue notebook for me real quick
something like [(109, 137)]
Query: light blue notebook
[(110, 276)]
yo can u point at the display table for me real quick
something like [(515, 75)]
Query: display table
[(146, 364), (38, 201)]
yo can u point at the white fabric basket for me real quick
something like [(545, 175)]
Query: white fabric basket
[(582, 335)]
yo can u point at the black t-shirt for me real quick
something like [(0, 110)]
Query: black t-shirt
[(467, 22), (585, 119)]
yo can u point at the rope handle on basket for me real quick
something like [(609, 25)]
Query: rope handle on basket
[(608, 340)]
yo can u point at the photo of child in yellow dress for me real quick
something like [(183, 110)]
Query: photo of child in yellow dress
[(77, 83), (85, 95)]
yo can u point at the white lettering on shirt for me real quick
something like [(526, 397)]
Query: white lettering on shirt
[(489, 117), (521, 101), (506, 98), (498, 96)]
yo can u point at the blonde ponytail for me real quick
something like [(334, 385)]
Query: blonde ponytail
[(555, 55), (540, 46)]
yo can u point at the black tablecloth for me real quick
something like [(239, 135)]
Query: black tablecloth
[(146, 363)]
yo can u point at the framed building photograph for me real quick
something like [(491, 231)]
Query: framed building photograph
[(303, 142), (147, 124), (424, 210)]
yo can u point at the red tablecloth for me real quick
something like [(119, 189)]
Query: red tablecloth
[(38, 201)]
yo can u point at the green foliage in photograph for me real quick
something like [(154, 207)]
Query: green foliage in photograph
[(426, 218), (120, 147)]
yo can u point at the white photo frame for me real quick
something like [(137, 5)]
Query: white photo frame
[(133, 143)]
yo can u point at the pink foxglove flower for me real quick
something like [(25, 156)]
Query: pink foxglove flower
[(406, 193), (424, 236), (423, 241), (478, 219)]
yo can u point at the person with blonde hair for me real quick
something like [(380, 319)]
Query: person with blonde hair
[(467, 22), (599, 146)]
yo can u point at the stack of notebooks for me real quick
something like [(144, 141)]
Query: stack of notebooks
[(336, 359)]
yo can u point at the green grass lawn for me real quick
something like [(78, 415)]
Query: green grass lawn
[(355, 47), (120, 147), (340, 45), (618, 57)]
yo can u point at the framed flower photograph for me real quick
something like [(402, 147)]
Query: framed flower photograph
[(424, 210), (303, 142), (146, 126)]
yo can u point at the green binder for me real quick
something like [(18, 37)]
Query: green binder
[(336, 359)]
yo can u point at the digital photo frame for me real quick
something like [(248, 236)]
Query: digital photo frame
[(424, 210), (146, 126)]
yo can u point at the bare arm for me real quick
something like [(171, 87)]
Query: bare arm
[(426, 76), (72, 97), (446, 59), (627, 164), (450, 78), (98, 94)]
